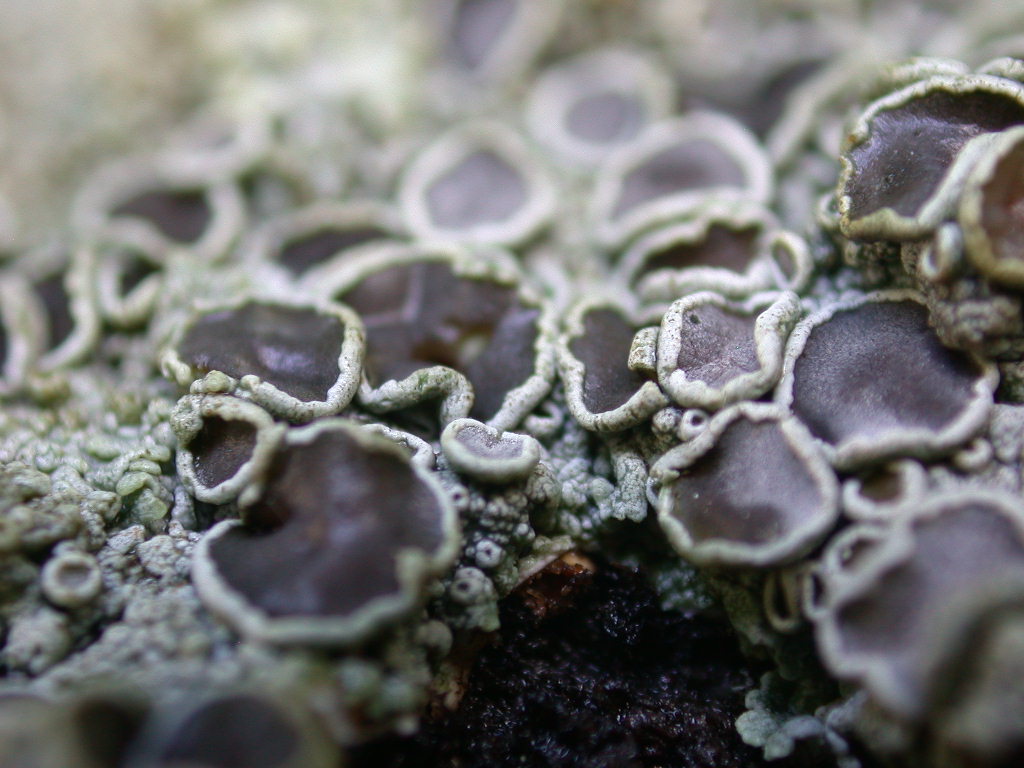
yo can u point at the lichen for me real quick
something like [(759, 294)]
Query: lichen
[(341, 410)]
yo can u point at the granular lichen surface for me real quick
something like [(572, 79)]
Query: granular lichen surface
[(506, 382)]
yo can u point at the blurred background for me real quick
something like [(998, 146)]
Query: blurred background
[(82, 80)]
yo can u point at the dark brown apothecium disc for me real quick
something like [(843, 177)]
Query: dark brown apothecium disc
[(904, 146), (717, 345), (54, 296), (294, 349), (238, 729), (224, 445), (422, 314), (603, 348), (180, 215), (343, 538), (750, 491), (689, 165), (221, 448), (305, 251), (235, 730), (872, 380), (721, 246)]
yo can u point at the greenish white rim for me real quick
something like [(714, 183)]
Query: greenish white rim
[(667, 284), (93, 216), (735, 141), (722, 552), (134, 308), (78, 284), (414, 567), (825, 90), (978, 245), (776, 314), (938, 260), (452, 148), (260, 250), (918, 443), (486, 468), (22, 329), (641, 406), (607, 70), (893, 550), (189, 155), (913, 480), (418, 450), (786, 585), (829, 572), (885, 223), (278, 402)]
